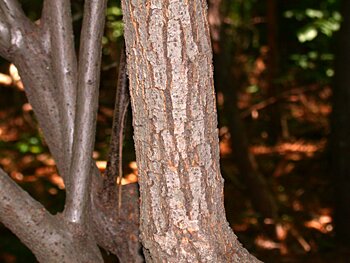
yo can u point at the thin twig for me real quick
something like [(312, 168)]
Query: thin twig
[(114, 165)]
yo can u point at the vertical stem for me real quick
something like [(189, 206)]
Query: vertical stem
[(114, 166), (58, 18), (77, 201)]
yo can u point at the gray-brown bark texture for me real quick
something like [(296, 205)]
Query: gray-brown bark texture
[(175, 132)]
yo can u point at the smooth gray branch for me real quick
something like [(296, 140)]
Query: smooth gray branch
[(34, 66), (35, 70), (57, 17), (30, 54), (5, 36), (27, 218), (77, 200), (12, 19), (48, 237), (13, 11)]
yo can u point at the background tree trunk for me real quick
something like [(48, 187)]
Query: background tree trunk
[(275, 129), (175, 133), (225, 82), (340, 137)]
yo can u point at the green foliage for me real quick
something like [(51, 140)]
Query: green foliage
[(314, 24), (114, 29), (318, 21), (245, 35), (30, 145), (114, 23), (252, 89)]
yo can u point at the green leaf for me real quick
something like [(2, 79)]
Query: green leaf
[(313, 13), (35, 149), (22, 147), (252, 89), (330, 72), (114, 11), (307, 33), (34, 141), (312, 55)]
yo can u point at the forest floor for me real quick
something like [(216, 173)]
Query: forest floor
[(296, 168)]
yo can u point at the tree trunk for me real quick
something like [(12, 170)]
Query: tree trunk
[(340, 136), (226, 82), (175, 133), (275, 128)]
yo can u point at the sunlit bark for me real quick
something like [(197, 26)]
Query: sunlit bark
[(175, 133)]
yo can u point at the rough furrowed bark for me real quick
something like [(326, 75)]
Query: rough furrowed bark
[(175, 133)]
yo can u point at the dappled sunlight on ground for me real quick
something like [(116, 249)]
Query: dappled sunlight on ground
[(298, 148), (128, 178), (295, 169)]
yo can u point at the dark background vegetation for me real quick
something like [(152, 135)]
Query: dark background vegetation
[(274, 68)]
